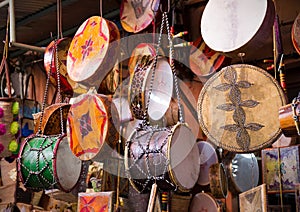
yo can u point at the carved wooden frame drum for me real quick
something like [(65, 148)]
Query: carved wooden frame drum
[(162, 89), (238, 108), (93, 122), (168, 156), (46, 162), (218, 180), (93, 51)]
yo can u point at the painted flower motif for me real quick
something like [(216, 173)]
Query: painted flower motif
[(87, 48), (85, 124), (1, 147), (2, 129), (1, 112)]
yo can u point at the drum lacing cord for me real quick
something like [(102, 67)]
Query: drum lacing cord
[(294, 105)]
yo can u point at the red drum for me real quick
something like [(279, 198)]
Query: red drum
[(208, 157), (240, 26), (92, 122), (168, 156), (137, 15), (93, 51), (296, 34), (205, 202), (203, 60), (46, 162), (162, 88)]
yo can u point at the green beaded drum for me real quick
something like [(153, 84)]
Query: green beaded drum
[(47, 162)]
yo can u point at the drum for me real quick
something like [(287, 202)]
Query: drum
[(244, 172), (92, 122), (218, 180), (93, 51), (284, 141), (208, 157), (296, 33), (137, 15), (238, 108), (46, 162), (51, 122), (123, 108), (111, 81), (254, 199), (241, 26), (168, 156), (287, 122), (205, 202), (162, 89), (204, 61)]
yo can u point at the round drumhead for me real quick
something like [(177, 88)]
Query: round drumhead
[(296, 34), (87, 126), (184, 158), (137, 15), (225, 25), (238, 108), (208, 156), (244, 171), (67, 166), (203, 202)]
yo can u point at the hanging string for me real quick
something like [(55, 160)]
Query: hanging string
[(59, 19), (101, 8)]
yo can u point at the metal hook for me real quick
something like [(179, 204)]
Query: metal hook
[(169, 6)]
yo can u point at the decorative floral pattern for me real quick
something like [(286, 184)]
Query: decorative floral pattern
[(236, 105), (85, 124), (87, 48)]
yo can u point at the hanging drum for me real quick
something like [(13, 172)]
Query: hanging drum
[(135, 16), (204, 61), (46, 162), (92, 123), (238, 108), (218, 180), (244, 172), (166, 156), (296, 33), (139, 86), (240, 26), (93, 51), (208, 157), (205, 202)]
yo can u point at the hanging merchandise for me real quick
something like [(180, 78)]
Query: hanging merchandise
[(166, 156), (218, 180), (238, 108), (296, 33), (254, 199), (206, 202), (46, 161), (135, 16)]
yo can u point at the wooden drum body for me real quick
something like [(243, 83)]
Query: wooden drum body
[(46, 162), (287, 122), (296, 33), (218, 180), (92, 123), (168, 156)]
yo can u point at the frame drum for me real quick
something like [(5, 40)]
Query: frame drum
[(287, 122), (237, 26), (205, 202), (162, 88), (218, 180), (168, 156), (238, 108), (208, 156), (244, 172), (296, 34), (46, 162)]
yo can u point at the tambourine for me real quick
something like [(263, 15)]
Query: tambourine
[(231, 32), (135, 15), (218, 180), (93, 51), (296, 33), (237, 111)]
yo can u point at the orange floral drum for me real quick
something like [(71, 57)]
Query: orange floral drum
[(93, 51), (92, 122)]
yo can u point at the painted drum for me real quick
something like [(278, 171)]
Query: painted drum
[(226, 26), (296, 33), (208, 156), (135, 16), (93, 51), (168, 156), (237, 111), (244, 172), (205, 202), (46, 162), (218, 180)]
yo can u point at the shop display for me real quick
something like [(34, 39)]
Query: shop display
[(218, 180), (254, 199)]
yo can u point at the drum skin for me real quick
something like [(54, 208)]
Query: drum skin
[(237, 111), (218, 180), (46, 162), (92, 122), (240, 26), (93, 51), (296, 33), (168, 156), (135, 16), (205, 202)]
